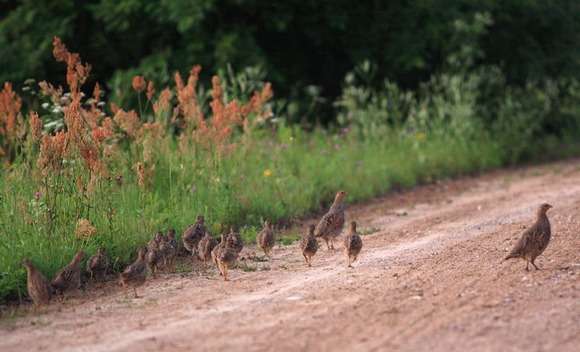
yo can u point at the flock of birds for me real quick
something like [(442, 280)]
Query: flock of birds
[(162, 250)]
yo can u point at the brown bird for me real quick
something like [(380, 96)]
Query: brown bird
[(193, 234), (227, 255), (534, 240), (156, 240), (169, 249), (215, 251), (309, 245), (237, 242), (69, 277), (331, 224), (352, 244), (135, 274), (266, 239), (205, 247), (98, 264), (39, 289), (153, 258)]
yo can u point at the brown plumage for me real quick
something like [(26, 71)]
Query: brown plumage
[(135, 274), (69, 277), (216, 250), (205, 247), (227, 255), (155, 241), (534, 240), (170, 250), (193, 235), (309, 245), (153, 258), (352, 244), (98, 264), (39, 289), (266, 239), (331, 224), (237, 243)]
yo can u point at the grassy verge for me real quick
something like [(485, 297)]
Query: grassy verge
[(272, 178)]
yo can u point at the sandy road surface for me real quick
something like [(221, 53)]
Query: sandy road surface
[(430, 278)]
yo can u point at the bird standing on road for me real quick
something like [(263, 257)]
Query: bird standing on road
[(135, 274), (352, 244), (266, 239), (38, 287), (331, 224), (534, 240), (309, 245)]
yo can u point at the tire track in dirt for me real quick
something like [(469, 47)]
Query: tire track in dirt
[(430, 278)]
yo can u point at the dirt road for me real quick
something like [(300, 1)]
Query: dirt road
[(430, 278)]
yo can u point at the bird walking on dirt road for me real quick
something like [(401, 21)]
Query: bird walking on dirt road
[(534, 240), (98, 264), (331, 224), (168, 250), (153, 258), (69, 277), (215, 251), (205, 247), (38, 287), (227, 255), (266, 239), (193, 235), (352, 244), (135, 274), (237, 242), (309, 245)]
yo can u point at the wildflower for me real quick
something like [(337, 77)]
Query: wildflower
[(85, 229), (37, 195), (267, 173), (163, 101), (35, 126), (420, 136), (139, 84), (128, 121)]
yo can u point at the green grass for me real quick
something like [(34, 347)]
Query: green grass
[(305, 171)]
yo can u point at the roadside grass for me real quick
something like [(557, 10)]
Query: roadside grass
[(270, 178)]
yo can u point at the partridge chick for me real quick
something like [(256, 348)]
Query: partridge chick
[(98, 264), (331, 224), (135, 274), (352, 244), (216, 250), (193, 235), (266, 239), (205, 247), (39, 289), (309, 245), (169, 248), (237, 242), (69, 277), (534, 240), (153, 258), (227, 255)]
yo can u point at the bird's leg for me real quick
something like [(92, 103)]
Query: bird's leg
[(534, 264), (348, 261), (305, 258), (135, 292), (225, 266), (332, 243), (527, 266)]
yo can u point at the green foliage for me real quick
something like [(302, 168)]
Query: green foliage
[(300, 44)]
